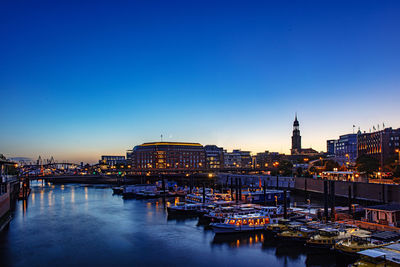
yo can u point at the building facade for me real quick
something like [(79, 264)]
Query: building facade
[(9, 186), (237, 159), (214, 157), (168, 155), (330, 147), (112, 160), (382, 145), (344, 149), (266, 159)]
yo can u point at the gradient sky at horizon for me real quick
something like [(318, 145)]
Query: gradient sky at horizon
[(80, 79)]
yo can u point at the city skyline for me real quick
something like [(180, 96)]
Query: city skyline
[(80, 81), (373, 128)]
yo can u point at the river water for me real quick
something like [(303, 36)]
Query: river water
[(76, 225)]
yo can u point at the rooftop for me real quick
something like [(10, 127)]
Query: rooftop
[(170, 144), (387, 207)]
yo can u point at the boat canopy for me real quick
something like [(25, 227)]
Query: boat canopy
[(372, 253)]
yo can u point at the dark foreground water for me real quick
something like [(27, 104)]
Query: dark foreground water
[(78, 225)]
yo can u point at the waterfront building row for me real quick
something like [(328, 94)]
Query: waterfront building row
[(181, 155), (384, 145)]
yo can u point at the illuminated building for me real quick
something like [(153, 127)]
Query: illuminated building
[(343, 149), (168, 155), (330, 147), (266, 159), (112, 160), (237, 159), (381, 145), (214, 157)]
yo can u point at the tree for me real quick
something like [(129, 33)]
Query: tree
[(396, 172), (313, 169), (285, 167), (330, 165), (367, 164), (299, 171)]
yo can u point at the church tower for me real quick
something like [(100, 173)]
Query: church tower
[(296, 138)]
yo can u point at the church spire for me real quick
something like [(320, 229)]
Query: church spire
[(296, 137), (296, 122)]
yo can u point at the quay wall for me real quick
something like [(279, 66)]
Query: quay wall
[(385, 193), (362, 191), (247, 179), (5, 202)]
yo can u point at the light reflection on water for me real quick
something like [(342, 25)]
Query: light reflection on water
[(87, 225)]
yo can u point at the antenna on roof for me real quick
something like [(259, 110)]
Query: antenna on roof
[(161, 138)]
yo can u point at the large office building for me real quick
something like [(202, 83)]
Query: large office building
[(267, 159), (168, 155), (343, 149), (237, 159), (382, 145), (330, 147), (214, 157)]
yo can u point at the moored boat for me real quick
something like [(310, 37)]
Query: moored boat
[(270, 196), (297, 232), (184, 209), (328, 237), (280, 226), (362, 240), (139, 191), (117, 190), (387, 256), (242, 223)]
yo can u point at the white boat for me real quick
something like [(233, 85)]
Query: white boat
[(243, 223), (197, 198), (131, 191), (219, 215), (185, 209), (209, 197)]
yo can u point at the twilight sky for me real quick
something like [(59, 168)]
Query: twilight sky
[(79, 79)]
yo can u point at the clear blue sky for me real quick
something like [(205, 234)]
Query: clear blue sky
[(79, 79)]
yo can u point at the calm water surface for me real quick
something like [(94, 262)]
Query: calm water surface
[(70, 225)]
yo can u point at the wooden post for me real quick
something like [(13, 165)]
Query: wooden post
[(237, 191), (265, 193), (204, 193), (349, 200), (240, 189), (305, 189), (232, 188), (326, 200), (332, 201), (284, 204)]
